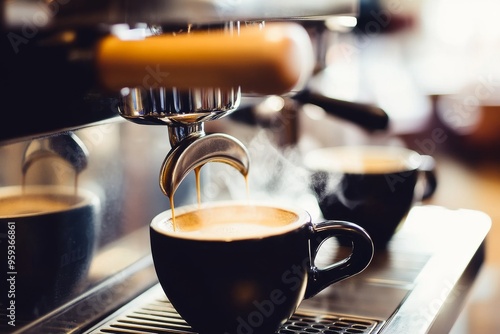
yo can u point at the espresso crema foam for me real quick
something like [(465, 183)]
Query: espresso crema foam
[(229, 222), (230, 230), (367, 160), (23, 205)]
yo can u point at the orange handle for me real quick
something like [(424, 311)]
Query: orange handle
[(274, 59)]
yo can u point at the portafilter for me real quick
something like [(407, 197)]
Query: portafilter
[(186, 78)]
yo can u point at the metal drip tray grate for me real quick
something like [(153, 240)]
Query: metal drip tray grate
[(153, 313)]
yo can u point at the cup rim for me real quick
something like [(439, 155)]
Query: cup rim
[(86, 197), (303, 217), (411, 159)]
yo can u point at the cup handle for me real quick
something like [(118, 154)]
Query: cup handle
[(428, 167), (356, 262)]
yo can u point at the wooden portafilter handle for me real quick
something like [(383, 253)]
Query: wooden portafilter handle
[(274, 59)]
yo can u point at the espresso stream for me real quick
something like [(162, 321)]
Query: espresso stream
[(197, 172)]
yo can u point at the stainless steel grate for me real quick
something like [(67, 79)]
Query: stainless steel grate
[(157, 315)]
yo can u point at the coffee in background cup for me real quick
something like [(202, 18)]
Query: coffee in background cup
[(47, 243), (244, 268), (372, 186)]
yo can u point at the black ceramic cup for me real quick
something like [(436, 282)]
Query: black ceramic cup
[(372, 186), (244, 268), (47, 238)]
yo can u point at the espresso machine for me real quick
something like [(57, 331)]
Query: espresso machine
[(115, 97)]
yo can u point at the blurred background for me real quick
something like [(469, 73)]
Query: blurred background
[(433, 66)]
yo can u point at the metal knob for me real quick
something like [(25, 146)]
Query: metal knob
[(67, 147)]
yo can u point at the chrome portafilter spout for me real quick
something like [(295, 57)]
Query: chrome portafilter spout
[(184, 113), (195, 151)]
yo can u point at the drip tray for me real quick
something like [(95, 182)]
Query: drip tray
[(152, 313)]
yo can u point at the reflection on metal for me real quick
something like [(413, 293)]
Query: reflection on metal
[(31, 12), (169, 106), (67, 147)]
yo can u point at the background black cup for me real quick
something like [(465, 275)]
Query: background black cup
[(372, 186), (248, 283), (46, 246)]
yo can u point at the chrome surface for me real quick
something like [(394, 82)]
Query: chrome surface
[(124, 176), (178, 133), (61, 13), (195, 151), (417, 286), (172, 107)]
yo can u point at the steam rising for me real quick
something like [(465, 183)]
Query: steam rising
[(276, 176)]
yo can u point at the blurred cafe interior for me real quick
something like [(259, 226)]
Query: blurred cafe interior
[(123, 101)]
